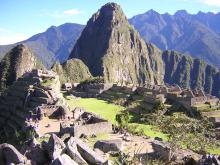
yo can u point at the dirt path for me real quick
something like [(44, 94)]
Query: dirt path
[(48, 126)]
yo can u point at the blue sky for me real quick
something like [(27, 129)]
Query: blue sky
[(20, 19)]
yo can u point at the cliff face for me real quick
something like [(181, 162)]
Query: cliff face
[(15, 63), (73, 71), (110, 47), (191, 73)]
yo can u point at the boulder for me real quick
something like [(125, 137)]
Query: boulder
[(37, 155), (109, 145), (11, 155), (161, 150), (63, 160), (73, 152), (87, 153), (40, 93), (55, 147)]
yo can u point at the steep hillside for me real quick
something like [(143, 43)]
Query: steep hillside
[(54, 44), (16, 62), (191, 73), (197, 35), (73, 71), (110, 47)]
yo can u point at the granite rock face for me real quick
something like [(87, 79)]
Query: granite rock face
[(112, 48), (55, 147), (9, 154)]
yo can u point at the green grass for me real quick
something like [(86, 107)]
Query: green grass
[(215, 151), (103, 108), (109, 111), (147, 130)]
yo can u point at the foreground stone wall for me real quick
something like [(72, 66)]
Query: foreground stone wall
[(90, 129)]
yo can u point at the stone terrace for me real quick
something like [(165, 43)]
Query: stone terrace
[(21, 102)]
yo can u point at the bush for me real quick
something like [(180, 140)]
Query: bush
[(122, 119)]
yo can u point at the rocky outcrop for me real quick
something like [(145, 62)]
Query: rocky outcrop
[(63, 160), (109, 145), (87, 153), (73, 152), (9, 154), (73, 71), (191, 73), (55, 147), (15, 63), (110, 47)]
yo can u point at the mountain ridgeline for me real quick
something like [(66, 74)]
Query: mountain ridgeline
[(191, 73), (55, 44), (194, 34), (112, 48)]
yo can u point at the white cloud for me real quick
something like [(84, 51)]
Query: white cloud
[(61, 14), (10, 37), (215, 3), (72, 12)]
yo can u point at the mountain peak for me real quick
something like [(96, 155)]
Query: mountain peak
[(110, 15), (181, 13), (152, 12), (112, 48)]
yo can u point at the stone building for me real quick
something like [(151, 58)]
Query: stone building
[(87, 124)]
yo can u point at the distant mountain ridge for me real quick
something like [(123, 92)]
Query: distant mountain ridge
[(54, 44), (195, 34)]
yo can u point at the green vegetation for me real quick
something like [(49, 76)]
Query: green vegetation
[(93, 80), (15, 64), (104, 109), (188, 72), (73, 71), (47, 82), (148, 130), (122, 119), (41, 139), (109, 111)]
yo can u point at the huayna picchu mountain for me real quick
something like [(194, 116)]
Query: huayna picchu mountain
[(112, 48), (17, 62)]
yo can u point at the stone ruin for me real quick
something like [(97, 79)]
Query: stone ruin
[(85, 123), (67, 86), (31, 97), (186, 97), (90, 90)]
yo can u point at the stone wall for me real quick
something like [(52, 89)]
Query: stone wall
[(90, 129), (95, 125), (154, 98)]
